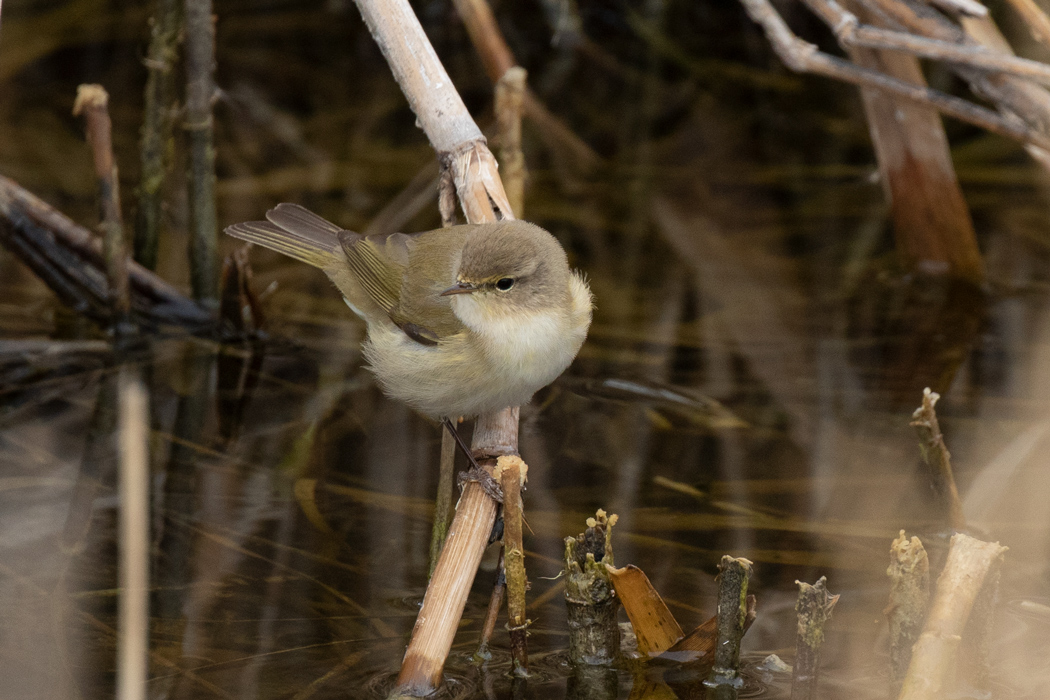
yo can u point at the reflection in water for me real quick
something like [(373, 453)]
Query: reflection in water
[(745, 389)]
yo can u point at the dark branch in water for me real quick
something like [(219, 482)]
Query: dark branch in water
[(69, 259)]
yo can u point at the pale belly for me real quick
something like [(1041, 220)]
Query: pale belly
[(465, 375)]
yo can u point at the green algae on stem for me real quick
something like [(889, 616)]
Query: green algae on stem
[(158, 120), (814, 606), (594, 635), (909, 573)]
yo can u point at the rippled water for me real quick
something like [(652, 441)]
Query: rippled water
[(746, 387)]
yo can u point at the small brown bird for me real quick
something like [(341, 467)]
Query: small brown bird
[(461, 320)]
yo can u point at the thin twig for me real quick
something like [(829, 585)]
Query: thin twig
[(937, 458), (499, 588), (443, 502)]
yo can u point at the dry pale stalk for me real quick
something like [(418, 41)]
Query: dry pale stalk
[(814, 606), (133, 636), (510, 90), (93, 103), (970, 562), (512, 473), (654, 625), (909, 573), (937, 458), (471, 169)]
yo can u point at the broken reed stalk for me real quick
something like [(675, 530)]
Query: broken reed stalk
[(70, 260), (909, 573), (733, 576), (443, 503), (510, 90), (590, 598), (133, 610), (814, 606), (931, 222), (970, 564), (469, 166), (92, 103), (512, 472), (158, 122), (937, 458), (199, 125)]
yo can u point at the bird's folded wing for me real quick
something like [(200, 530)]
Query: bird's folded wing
[(414, 304)]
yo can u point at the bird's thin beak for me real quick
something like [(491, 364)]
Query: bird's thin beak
[(459, 288)]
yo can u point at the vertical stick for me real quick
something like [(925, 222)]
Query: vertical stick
[(200, 87), (510, 92), (443, 503), (512, 472), (133, 635), (937, 458), (909, 574), (733, 578), (157, 128), (814, 606), (93, 103)]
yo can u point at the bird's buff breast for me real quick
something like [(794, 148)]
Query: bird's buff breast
[(474, 372)]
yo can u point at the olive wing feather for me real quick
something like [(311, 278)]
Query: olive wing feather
[(413, 301)]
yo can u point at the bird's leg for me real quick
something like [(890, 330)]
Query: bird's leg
[(475, 473)]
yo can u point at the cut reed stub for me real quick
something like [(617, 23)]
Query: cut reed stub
[(814, 606), (590, 598)]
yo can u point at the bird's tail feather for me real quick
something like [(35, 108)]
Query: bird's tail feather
[(295, 232)]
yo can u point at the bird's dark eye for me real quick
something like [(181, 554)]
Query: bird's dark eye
[(505, 284)]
